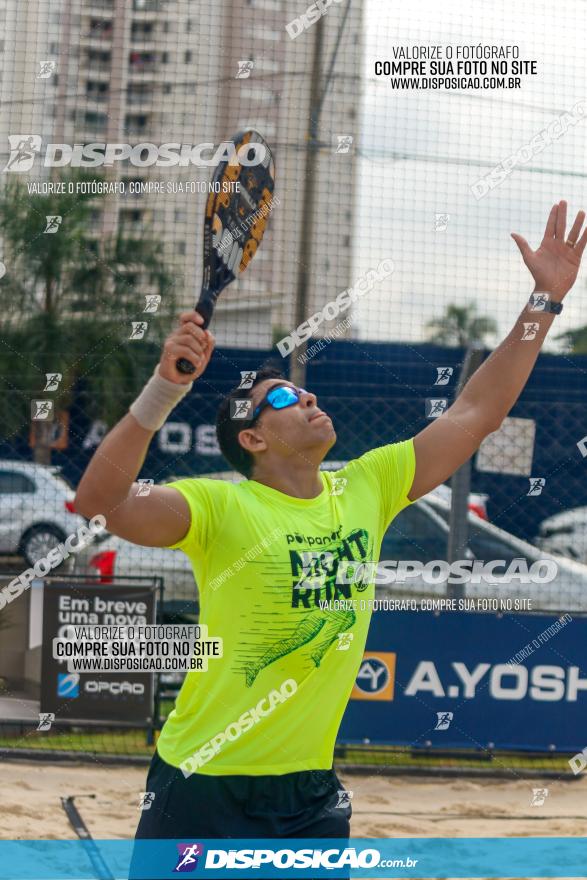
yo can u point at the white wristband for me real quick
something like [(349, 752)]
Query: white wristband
[(156, 401)]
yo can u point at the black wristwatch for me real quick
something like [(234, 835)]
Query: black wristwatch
[(550, 306)]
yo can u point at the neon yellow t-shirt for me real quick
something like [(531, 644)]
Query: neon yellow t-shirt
[(266, 564)]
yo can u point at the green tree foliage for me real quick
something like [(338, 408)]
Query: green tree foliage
[(66, 306), (460, 326)]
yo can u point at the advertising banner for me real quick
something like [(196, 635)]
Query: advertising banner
[(94, 696), (471, 680)]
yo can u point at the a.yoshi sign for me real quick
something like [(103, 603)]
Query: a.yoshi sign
[(471, 681)]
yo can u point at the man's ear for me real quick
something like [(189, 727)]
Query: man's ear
[(252, 440)]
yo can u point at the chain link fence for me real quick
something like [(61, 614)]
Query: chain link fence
[(396, 190), (505, 519)]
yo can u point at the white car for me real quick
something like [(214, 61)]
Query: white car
[(419, 532), (565, 533), (36, 509)]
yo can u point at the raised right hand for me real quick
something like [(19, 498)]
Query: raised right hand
[(188, 341)]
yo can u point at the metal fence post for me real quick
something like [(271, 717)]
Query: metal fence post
[(458, 526)]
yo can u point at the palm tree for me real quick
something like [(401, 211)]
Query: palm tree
[(66, 305), (460, 326)]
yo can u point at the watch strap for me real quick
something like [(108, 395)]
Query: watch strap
[(541, 302)]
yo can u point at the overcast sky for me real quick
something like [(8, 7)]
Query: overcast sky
[(474, 259)]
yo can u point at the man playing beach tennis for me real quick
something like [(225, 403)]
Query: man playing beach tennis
[(247, 752)]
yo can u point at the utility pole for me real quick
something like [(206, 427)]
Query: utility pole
[(458, 524), (297, 370)]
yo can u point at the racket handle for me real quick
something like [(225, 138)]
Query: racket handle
[(205, 307), (184, 366)]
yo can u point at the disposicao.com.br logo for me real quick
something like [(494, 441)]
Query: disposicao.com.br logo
[(25, 148), (331, 858)]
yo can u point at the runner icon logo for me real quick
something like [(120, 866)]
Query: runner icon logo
[(188, 856)]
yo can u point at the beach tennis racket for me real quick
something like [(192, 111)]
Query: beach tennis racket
[(235, 220)]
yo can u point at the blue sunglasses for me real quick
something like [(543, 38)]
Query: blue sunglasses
[(278, 398)]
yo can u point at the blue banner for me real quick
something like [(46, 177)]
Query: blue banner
[(361, 857), (375, 394), (471, 680)]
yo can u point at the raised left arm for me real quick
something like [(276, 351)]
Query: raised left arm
[(444, 445)]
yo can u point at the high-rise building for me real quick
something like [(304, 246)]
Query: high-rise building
[(168, 71)]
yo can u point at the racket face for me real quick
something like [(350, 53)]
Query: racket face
[(236, 216)]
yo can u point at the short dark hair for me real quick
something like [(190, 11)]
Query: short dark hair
[(227, 429)]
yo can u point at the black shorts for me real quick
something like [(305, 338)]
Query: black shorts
[(309, 804)]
